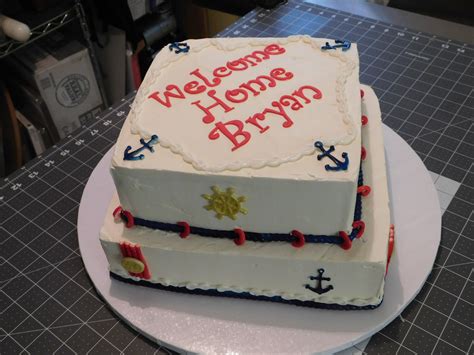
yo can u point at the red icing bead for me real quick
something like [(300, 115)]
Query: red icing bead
[(300, 241), (364, 190), (365, 120), (120, 213), (363, 153), (361, 93), (360, 225), (347, 243), (391, 241), (240, 238), (129, 221), (186, 229), (117, 213), (391, 244)]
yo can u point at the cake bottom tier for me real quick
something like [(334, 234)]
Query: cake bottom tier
[(242, 295), (315, 275)]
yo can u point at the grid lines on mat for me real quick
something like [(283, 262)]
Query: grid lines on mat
[(425, 86)]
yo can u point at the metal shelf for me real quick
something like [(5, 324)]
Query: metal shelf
[(76, 12), (42, 30)]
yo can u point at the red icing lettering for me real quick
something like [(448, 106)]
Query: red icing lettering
[(232, 95), (281, 112), (274, 49), (194, 88), (275, 74), (215, 81), (221, 72), (168, 94), (237, 65), (209, 117), (258, 81), (254, 121), (253, 58), (238, 138), (300, 93), (236, 133), (287, 100), (281, 74)]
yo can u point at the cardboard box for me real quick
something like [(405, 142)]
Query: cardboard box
[(62, 71), (29, 102), (37, 136)]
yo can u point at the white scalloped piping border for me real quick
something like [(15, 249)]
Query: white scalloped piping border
[(343, 301), (154, 74)]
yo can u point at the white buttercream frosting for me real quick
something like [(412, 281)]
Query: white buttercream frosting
[(274, 269), (331, 119), (284, 185)]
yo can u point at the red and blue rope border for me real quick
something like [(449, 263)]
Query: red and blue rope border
[(296, 238)]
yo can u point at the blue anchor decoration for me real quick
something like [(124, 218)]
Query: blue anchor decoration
[(345, 45), (180, 47), (134, 155), (319, 289), (340, 165)]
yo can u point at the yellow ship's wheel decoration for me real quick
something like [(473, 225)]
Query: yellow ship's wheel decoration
[(225, 203)]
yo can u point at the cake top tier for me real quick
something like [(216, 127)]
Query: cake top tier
[(229, 104)]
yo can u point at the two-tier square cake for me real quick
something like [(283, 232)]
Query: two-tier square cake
[(254, 168)]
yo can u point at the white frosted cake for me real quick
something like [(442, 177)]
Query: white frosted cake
[(239, 173)]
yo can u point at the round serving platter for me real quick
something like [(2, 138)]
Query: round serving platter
[(206, 324)]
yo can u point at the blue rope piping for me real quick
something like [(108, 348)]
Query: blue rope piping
[(245, 295), (259, 237)]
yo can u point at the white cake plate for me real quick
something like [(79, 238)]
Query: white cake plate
[(205, 324)]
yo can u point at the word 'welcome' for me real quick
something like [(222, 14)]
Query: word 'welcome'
[(238, 132)]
